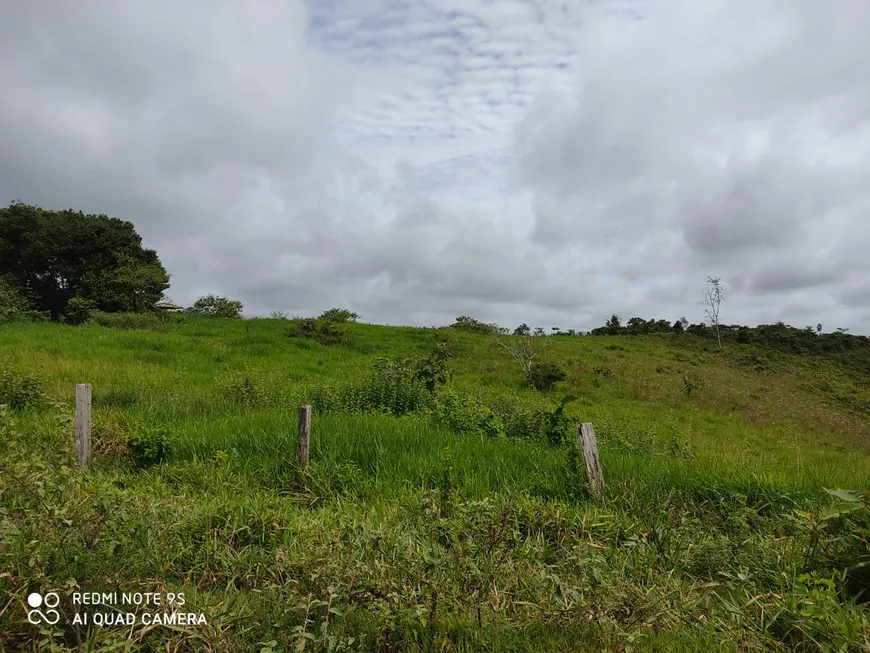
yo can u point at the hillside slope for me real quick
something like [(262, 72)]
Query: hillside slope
[(461, 523)]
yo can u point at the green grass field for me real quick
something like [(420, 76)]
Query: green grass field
[(408, 533)]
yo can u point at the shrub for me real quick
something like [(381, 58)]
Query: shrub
[(397, 387), (394, 387), (78, 310), (465, 323), (148, 446), (523, 330), (542, 423), (12, 302), (690, 384), (20, 390), (432, 370), (125, 321), (557, 426), (322, 331), (217, 306), (466, 415), (545, 376), (339, 315)]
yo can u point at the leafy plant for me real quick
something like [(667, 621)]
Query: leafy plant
[(12, 302), (559, 427), (472, 325), (322, 331), (339, 315), (78, 310), (148, 446), (432, 370), (217, 306), (545, 376), (466, 415), (19, 390), (690, 384)]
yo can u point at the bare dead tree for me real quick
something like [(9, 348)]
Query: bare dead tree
[(524, 350), (714, 295)]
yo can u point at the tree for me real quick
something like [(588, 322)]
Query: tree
[(523, 330), (714, 295), (217, 306), (54, 256), (340, 315), (525, 350)]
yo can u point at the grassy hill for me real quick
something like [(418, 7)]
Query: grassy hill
[(448, 520)]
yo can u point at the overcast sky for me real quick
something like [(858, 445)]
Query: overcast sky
[(518, 161)]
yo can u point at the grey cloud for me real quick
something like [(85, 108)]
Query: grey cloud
[(261, 161)]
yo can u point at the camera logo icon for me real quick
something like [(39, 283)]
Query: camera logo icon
[(36, 616)]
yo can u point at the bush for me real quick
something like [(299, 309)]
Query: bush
[(217, 306), (690, 384), (20, 390), (78, 310), (547, 424), (390, 387), (465, 323), (545, 376), (339, 315), (466, 415), (396, 387), (148, 446), (432, 370), (125, 321), (322, 331), (12, 302)]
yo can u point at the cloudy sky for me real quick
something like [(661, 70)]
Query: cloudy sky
[(529, 161)]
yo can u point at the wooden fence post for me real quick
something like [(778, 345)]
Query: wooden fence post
[(83, 424), (304, 440), (589, 447)]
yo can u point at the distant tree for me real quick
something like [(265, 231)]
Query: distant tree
[(636, 326), (539, 331), (613, 325), (53, 256), (217, 306), (678, 327), (465, 323), (714, 295), (340, 315), (523, 330), (819, 327)]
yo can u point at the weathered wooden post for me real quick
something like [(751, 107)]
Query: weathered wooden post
[(589, 447), (83, 424), (304, 441)]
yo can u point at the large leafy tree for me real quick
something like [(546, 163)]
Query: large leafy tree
[(54, 256)]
